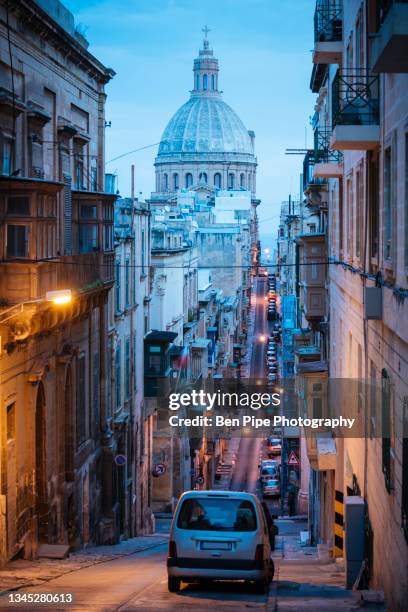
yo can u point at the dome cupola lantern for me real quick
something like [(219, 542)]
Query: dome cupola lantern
[(205, 70)]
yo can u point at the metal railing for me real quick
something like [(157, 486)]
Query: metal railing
[(322, 152), (328, 21), (355, 98), (308, 170), (383, 8)]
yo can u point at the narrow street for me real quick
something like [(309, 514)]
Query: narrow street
[(139, 581)]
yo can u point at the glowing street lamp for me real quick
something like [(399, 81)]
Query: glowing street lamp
[(59, 298), (262, 338)]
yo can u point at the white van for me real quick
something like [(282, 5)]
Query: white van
[(220, 535)]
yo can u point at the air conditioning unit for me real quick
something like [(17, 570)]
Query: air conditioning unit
[(373, 303)]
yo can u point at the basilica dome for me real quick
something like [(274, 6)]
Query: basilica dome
[(205, 124), (205, 143)]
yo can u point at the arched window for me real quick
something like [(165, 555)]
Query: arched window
[(197, 85), (203, 177), (249, 182), (231, 181), (213, 82), (165, 181), (205, 82), (189, 180), (242, 180), (175, 181), (217, 180)]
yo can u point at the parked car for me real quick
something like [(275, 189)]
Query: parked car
[(274, 446), (271, 488), (267, 472), (219, 535)]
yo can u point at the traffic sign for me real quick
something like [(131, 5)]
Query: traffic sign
[(159, 469), (293, 459), (120, 459)]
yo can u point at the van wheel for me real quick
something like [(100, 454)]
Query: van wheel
[(260, 587), (173, 584)]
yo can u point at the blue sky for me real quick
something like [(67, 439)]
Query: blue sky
[(264, 49)]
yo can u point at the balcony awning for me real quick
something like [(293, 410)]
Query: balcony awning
[(9, 183), (160, 336)]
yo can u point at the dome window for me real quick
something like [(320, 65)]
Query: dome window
[(175, 181), (231, 181), (242, 181), (205, 82), (197, 86), (165, 182), (217, 180), (213, 82), (189, 180), (203, 177)]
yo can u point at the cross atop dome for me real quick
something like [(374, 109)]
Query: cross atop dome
[(206, 43)]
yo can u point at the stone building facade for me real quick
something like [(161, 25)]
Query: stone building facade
[(129, 305), (359, 168), (56, 232)]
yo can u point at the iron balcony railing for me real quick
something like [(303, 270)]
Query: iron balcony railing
[(308, 169), (328, 21), (322, 152), (383, 8), (355, 98)]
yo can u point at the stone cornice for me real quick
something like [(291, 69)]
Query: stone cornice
[(41, 23)]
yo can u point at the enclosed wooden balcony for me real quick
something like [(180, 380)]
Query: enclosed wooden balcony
[(313, 294)]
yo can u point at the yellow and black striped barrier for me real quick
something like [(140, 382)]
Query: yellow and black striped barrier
[(339, 524)]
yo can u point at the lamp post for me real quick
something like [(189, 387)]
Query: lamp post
[(61, 297)]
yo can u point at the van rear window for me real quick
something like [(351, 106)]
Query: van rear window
[(212, 514)]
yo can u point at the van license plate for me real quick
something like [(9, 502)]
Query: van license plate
[(215, 545)]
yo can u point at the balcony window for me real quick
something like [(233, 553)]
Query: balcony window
[(127, 368), (117, 286), (88, 237), (107, 237), (94, 178), (328, 21), (154, 360), (107, 212), (387, 461), (18, 206), (387, 203), (6, 159), (127, 283), (118, 381), (355, 98), (17, 240), (88, 211)]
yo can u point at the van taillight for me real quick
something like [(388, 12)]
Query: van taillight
[(259, 553), (172, 549)]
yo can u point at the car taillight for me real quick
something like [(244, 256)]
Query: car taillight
[(259, 553), (172, 549)]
